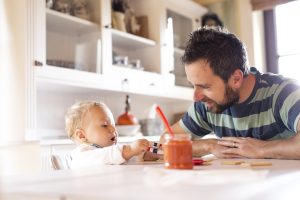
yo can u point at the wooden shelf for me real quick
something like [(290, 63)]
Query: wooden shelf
[(67, 24), (129, 41)]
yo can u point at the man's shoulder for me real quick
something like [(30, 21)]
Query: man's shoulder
[(274, 83), (272, 79)]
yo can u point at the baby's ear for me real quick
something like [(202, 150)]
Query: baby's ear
[(80, 135)]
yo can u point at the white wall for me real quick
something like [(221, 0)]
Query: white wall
[(16, 155), (12, 75), (259, 41), (237, 18)]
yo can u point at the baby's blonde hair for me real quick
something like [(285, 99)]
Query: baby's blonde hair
[(76, 113)]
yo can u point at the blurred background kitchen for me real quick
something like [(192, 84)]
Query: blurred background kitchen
[(57, 52)]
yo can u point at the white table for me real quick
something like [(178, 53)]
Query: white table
[(149, 180)]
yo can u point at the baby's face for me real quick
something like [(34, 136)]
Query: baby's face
[(100, 127)]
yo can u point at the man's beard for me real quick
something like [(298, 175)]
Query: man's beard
[(230, 97)]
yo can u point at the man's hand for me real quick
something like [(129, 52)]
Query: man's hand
[(210, 146), (241, 146)]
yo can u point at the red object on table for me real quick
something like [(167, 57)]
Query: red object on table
[(198, 161)]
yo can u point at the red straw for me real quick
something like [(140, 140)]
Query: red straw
[(163, 117)]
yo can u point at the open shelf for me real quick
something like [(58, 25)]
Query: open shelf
[(50, 78), (69, 80), (121, 139), (67, 24), (129, 41)]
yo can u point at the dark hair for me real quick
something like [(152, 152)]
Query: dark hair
[(222, 50), (211, 16)]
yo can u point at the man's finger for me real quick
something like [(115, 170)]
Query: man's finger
[(233, 151), (231, 144), (232, 139)]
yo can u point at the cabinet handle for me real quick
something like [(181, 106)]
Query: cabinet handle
[(108, 26), (38, 63), (152, 84), (125, 81)]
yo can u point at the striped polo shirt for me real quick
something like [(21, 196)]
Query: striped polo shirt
[(271, 112)]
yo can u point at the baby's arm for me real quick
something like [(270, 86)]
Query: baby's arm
[(149, 156), (135, 148)]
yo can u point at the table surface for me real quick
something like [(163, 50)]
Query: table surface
[(150, 180)]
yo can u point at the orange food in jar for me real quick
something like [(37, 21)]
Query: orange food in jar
[(178, 152)]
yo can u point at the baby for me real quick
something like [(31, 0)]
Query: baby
[(91, 125)]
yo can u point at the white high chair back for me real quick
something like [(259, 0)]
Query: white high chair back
[(59, 163)]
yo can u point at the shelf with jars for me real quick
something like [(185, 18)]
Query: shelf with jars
[(91, 58)]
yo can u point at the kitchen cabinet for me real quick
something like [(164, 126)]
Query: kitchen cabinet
[(77, 59), (180, 20)]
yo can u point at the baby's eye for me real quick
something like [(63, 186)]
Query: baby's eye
[(104, 125)]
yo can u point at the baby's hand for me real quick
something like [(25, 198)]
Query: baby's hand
[(135, 148), (139, 146)]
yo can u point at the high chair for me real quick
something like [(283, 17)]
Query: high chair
[(59, 163)]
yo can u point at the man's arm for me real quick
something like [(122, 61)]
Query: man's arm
[(176, 128), (254, 148), (201, 147)]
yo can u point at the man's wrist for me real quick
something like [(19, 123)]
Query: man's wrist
[(203, 146)]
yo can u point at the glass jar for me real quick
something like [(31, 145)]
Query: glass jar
[(178, 152)]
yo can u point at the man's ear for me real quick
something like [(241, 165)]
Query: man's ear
[(80, 135), (236, 79)]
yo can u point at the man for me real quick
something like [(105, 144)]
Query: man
[(211, 19), (255, 115)]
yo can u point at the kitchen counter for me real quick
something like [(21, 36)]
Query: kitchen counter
[(149, 180)]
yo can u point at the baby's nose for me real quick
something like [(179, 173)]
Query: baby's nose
[(112, 129)]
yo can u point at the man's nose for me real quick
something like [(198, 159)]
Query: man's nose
[(198, 94)]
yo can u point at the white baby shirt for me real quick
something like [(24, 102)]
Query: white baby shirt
[(86, 155)]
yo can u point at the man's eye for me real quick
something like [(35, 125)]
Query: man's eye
[(204, 86)]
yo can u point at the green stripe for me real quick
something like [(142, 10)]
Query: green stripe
[(284, 135), (264, 93), (287, 104), (244, 123), (279, 89), (197, 118), (296, 123)]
